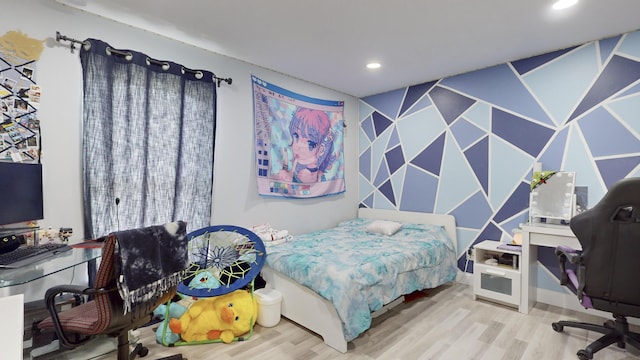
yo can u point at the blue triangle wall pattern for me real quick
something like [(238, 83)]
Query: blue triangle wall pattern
[(601, 130)]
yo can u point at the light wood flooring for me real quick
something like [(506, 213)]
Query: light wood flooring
[(448, 324)]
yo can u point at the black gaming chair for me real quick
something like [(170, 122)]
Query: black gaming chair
[(608, 265)]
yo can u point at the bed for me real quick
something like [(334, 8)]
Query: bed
[(421, 255)]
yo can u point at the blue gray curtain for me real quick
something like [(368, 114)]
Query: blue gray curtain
[(148, 141)]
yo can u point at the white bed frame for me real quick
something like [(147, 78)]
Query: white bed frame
[(304, 307)]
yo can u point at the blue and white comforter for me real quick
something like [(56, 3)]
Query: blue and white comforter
[(359, 272)]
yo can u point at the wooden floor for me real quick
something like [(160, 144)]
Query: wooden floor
[(448, 324)]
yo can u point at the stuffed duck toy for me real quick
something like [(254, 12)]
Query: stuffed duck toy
[(220, 317)]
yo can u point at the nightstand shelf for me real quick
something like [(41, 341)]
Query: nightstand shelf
[(496, 273)]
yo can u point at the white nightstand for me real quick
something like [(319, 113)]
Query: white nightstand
[(498, 279)]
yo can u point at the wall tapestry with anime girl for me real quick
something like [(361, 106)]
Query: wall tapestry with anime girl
[(299, 143)]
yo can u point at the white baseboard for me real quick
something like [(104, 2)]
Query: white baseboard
[(570, 301), (566, 301), (464, 278)]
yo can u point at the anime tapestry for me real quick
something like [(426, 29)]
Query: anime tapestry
[(299, 143)]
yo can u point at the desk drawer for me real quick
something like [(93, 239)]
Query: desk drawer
[(552, 240), (495, 282)]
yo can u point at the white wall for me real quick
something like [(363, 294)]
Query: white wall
[(235, 198)]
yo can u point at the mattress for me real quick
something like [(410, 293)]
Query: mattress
[(359, 271)]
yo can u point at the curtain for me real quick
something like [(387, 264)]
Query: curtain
[(148, 141)]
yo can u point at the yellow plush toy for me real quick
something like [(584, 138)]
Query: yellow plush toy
[(220, 317)]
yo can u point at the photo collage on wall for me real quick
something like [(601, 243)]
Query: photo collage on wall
[(19, 103)]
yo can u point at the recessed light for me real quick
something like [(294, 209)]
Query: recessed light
[(373, 65), (563, 4)]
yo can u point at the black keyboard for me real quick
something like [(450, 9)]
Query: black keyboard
[(25, 255)]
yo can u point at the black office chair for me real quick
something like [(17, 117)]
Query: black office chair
[(139, 270), (607, 268)]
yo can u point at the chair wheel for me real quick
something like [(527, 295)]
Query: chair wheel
[(584, 355), (144, 351), (557, 327), (139, 350)]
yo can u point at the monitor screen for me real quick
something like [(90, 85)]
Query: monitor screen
[(21, 192)]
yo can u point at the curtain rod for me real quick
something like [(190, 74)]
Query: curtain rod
[(60, 37)]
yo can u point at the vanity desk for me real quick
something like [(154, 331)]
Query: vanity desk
[(534, 235)]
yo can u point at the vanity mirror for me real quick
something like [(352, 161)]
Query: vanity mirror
[(552, 196)]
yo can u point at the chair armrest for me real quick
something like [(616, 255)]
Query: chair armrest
[(565, 253), (65, 289), (570, 278), (570, 253), (50, 300)]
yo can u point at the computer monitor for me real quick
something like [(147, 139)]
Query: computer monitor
[(20, 192)]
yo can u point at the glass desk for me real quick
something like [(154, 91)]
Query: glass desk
[(48, 266), (12, 279)]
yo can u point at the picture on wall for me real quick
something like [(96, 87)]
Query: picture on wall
[(298, 143), (19, 104)]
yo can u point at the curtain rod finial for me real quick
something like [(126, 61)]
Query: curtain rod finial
[(227, 80), (72, 46)]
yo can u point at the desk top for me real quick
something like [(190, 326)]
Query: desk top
[(48, 266)]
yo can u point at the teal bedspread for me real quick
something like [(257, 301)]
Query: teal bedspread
[(359, 272)]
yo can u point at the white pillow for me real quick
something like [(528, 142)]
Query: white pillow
[(383, 227)]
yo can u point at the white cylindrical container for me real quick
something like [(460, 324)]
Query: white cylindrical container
[(269, 302)]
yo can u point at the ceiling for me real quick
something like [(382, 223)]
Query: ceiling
[(329, 42)]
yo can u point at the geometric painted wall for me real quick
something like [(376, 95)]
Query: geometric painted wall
[(465, 145)]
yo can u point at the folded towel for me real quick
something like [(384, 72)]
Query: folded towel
[(264, 236), (261, 228), (268, 234), (151, 261), (280, 234)]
